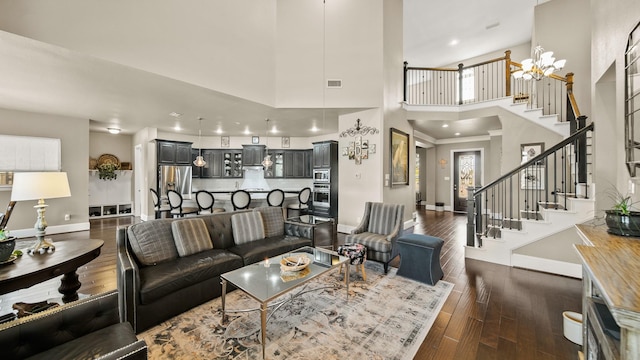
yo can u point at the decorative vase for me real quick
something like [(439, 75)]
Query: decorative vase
[(6, 248), (621, 224)]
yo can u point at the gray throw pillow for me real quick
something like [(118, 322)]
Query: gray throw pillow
[(191, 236), (151, 242), (247, 227), (272, 219)]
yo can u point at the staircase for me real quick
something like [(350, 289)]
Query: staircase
[(524, 218)]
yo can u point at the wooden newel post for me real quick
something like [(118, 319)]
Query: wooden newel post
[(507, 72), (569, 78)]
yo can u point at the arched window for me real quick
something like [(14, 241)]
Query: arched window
[(632, 101)]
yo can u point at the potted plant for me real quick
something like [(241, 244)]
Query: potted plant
[(107, 171), (621, 219), (7, 244)]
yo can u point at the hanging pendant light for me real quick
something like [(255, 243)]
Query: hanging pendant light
[(199, 161), (266, 162)]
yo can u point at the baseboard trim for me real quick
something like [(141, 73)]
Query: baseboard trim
[(55, 229)]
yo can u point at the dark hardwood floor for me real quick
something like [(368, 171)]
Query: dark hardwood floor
[(494, 311)]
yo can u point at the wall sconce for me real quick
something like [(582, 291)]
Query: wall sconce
[(443, 163)]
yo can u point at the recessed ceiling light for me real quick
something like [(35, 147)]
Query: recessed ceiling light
[(113, 130), (177, 127), (175, 114), (219, 131), (445, 125), (454, 42), (315, 129), (457, 134)]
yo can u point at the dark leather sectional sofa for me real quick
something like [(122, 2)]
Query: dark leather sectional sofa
[(167, 266)]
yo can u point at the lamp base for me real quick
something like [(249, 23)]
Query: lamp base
[(42, 246)]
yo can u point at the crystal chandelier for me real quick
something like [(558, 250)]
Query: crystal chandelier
[(199, 161), (266, 162), (542, 64)]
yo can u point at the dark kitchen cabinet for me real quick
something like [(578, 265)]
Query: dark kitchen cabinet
[(297, 164), (252, 155), (324, 154), (214, 159), (195, 170), (276, 170), (232, 163), (173, 152)]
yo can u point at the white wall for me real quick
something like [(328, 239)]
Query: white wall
[(120, 145), (612, 21), (74, 135), (338, 39)]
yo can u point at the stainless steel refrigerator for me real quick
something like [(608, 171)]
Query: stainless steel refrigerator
[(175, 177)]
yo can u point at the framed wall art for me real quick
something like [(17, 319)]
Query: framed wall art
[(224, 141), (399, 155), (529, 151), (532, 178), (286, 142)]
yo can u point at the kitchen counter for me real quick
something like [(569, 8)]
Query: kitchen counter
[(258, 198)]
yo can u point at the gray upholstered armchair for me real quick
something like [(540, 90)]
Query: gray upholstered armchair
[(379, 229)]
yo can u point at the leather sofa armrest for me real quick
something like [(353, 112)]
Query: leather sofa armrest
[(133, 351), (299, 230), (128, 278), (40, 332)]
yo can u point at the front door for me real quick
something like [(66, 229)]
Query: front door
[(466, 172)]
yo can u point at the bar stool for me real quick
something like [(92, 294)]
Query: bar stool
[(275, 197), (205, 201), (304, 196), (175, 203), (157, 207), (240, 199)]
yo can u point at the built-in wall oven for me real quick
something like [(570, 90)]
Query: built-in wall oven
[(321, 195)]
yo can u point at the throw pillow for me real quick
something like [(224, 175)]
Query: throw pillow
[(151, 242), (191, 236), (247, 227), (272, 219)]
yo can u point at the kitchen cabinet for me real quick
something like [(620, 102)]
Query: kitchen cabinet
[(252, 155), (324, 154), (277, 169), (214, 166), (173, 152), (232, 163), (297, 164)]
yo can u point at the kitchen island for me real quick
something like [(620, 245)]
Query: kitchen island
[(258, 198)]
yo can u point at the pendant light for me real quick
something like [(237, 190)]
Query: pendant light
[(199, 161), (266, 162)]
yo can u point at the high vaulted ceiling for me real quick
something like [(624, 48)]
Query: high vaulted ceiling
[(49, 79)]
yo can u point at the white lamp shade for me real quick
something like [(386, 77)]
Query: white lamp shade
[(39, 185)]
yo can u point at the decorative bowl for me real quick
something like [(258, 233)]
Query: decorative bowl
[(295, 262), (6, 248)]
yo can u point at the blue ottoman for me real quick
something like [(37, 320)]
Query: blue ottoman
[(420, 257)]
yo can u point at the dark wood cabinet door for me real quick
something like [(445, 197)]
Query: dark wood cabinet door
[(308, 167), (252, 155), (213, 169), (288, 164), (196, 171), (322, 155), (298, 164), (183, 154), (167, 152)]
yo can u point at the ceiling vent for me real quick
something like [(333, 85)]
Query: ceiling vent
[(334, 83)]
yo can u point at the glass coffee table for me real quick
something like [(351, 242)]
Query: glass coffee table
[(265, 282)]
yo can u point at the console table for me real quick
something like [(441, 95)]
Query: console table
[(611, 294), (29, 270)]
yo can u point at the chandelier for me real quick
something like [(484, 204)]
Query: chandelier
[(199, 161), (542, 64), (359, 130), (266, 162)]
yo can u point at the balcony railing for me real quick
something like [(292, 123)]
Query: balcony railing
[(488, 80)]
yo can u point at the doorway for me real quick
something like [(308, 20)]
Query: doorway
[(467, 172)]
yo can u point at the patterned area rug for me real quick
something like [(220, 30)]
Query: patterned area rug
[(386, 317)]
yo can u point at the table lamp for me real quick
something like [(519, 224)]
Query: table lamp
[(40, 186)]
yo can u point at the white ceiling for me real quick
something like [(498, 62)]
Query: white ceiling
[(45, 78)]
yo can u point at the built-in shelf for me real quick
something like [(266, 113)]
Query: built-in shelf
[(110, 198)]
